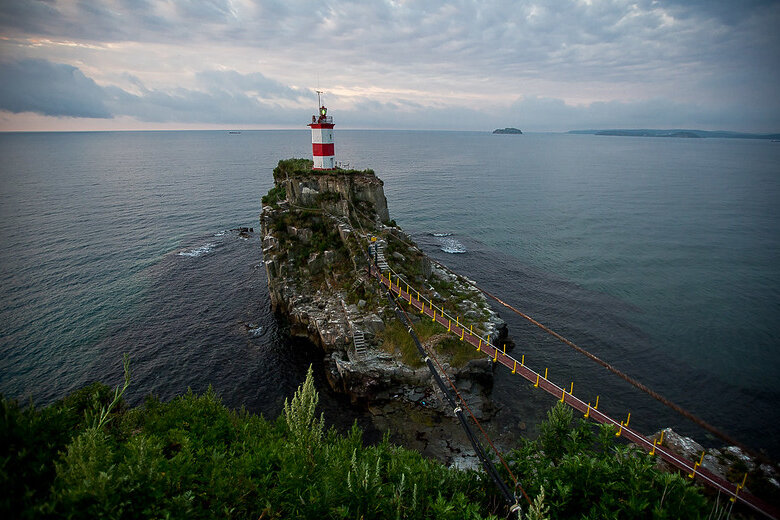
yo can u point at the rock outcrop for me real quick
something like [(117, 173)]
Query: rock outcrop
[(729, 462), (316, 227)]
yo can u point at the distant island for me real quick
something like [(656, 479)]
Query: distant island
[(507, 131), (676, 133)]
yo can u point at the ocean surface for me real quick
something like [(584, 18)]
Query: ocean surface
[(660, 255)]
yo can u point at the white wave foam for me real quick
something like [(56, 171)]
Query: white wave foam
[(441, 234), (198, 251), (257, 331), (220, 234), (450, 245)]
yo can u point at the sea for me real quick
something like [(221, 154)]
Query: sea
[(659, 255)]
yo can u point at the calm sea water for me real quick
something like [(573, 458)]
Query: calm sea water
[(662, 256)]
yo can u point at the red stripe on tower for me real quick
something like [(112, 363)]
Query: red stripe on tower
[(323, 151)]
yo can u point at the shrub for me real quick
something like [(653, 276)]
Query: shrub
[(193, 458), (587, 475), (274, 195)]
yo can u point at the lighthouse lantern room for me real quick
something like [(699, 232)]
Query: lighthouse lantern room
[(322, 138)]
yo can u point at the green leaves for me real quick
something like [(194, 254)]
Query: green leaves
[(300, 416), (193, 458), (587, 475), (274, 195)]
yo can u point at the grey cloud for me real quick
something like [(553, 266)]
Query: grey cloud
[(50, 89), (55, 89), (562, 41), (30, 17), (228, 97), (80, 20), (211, 10), (232, 81), (727, 12), (190, 106)]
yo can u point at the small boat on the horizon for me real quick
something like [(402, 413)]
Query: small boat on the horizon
[(232, 132)]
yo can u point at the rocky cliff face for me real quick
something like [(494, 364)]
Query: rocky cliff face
[(336, 193), (316, 227)]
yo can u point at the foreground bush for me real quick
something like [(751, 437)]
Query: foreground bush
[(585, 474), (194, 458), (89, 457)]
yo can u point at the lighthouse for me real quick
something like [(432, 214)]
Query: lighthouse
[(322, 138)]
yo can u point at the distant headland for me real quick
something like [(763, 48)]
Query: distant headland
[(676, 133), (507, 130)]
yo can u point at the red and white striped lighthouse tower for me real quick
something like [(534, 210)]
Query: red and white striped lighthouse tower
[(322, 138)]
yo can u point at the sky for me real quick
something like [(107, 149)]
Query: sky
[(544, 65)]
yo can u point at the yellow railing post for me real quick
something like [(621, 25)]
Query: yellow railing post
[(739, 488), (537, 381), (514, 369), (522, 360), (480, 344), (696, 466), (597, 403), (587, 412), (622, 425), (657, 442), (545, 373)]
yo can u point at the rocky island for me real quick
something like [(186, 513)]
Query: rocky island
[(316, 227), (508, 130)]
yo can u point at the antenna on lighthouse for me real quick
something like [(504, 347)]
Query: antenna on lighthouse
[(319, 101)]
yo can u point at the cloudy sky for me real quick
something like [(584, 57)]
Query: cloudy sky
[(551, 65)]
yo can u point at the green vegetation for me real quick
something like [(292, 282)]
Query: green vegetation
[(274, 195), (88, 456), (323, 237), (584, 474), (459, 352), (194, 458), (396, 340), (291, 167), (326, 197), (298, 166)]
